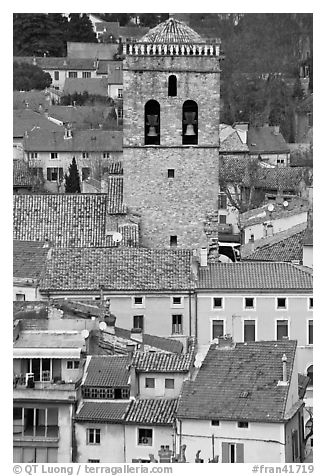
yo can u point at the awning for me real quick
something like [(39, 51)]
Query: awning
[(30, 353)]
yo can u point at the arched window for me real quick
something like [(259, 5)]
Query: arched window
[(172, 86), (152, 123), (310, 372), (189, 123)]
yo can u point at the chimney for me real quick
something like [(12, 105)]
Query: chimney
[(310, 219), (203, 256), (276, 130), (136, 334), (109, 320), (68, 133), (284, 360), (225, 342), (34, 61)]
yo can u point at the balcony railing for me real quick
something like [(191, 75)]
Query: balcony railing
[(39, 433)]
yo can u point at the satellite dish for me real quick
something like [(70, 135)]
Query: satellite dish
[(224, 259), (270, 207), (102, 326), (117, 237), (85, 333), (285, 204), (198, 360)]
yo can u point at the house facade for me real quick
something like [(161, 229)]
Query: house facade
[(268, 144)]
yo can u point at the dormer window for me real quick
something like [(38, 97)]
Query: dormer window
[(172, 85), (189, 123), (152, 123)]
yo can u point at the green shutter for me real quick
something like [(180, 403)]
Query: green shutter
[(48, 174), (60, 173), (240, 452), (225, 452)]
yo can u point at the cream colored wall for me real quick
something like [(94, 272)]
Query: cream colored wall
[(111, 448), (65, 428), (280, 224), (263, 442), (63, 74), (308, 256), (162, 435), (160, 391), (31, 293)]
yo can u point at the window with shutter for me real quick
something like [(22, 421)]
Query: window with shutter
[(225, 452), (240, 453)]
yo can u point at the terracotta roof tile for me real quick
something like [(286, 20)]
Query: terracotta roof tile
[(253, 367), (93, 86), (263, 140), (26, 120), (22, 175), (118, 269), (107, 371), (112, 412), (308, 237), (254, 275), (60, 63), (288, 249), (29, 258), (171, 31), (152, 411), (161, 362)]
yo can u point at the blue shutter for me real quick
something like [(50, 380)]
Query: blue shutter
[(240, 452), (225, 452)]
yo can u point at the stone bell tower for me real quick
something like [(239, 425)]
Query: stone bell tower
[(171, 103)]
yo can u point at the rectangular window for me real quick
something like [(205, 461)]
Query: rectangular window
[(215, 422), (217, 303), (311, 303), (106, 155), (145, 436), (85, 155), (93, 436), (222, 201), (281, 303), (177, 324), (93, 460), (120, 113), (310, 332), (169, 383), (125, 393), (222, 219), (54, 174), (56, 76), (138, 301), (86, 173), (54, 155), (72, 74), (249, 303), (138, 322), (243, 424), (86, 74), (282, 329), (170, 173), (120, 93), (33, 155), (232, 452), (177, 300), (20, 297), (249, 330), (217, 328), (173, 241), (149, 382)]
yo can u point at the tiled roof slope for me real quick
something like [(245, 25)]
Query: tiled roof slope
[(93, 86), (230, 140), (254, 275), (254, 367), (162, 343), (171, 31), (65, 219), (263, 140), (29, 258), (152, 411), (61, 63), (91, 140), (26, 120), (308, 237), (161, 362), (110, 412), (287, 249), (118, 269), (107, 371), (22, 175)]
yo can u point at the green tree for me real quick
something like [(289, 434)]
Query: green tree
[(72, 179), (80, 28), (27, 76)]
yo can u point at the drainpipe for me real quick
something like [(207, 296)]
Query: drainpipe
[(124, 443), (180, 437), (189, 297), (196, 317)]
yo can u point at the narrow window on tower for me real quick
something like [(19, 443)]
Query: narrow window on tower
[(172, 86), (152, 123), (173, 241), (189, 123)]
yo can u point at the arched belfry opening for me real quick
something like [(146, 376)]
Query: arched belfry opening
[(189, 123), (152, 123), (172, 85)]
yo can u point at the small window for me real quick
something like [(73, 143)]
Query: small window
[(20, 297), (281, 303), (54, 174), (311, 303), (93, 460), (85, 155), (249, 330), (222, 219), (215, 422), (249, 303), (149, 382), (217, 328), (177, 324), (243, 424), (56, 76), (282, 331), (217, 303), (125, 393), (106, 155), (177, 300), (172, 85), (310, 373), (93, 436), (173, 241), (138, 322), (310, 332), (86, 173), (169, 383), (138, 300), (86, 74), (54, 155), (120, 93), (120, 113), (72, 74), (72, 364), (222, 201), (145, 436), (170, 173), (33, 155)]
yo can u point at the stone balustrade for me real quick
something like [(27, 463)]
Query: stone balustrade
[(172, 49)]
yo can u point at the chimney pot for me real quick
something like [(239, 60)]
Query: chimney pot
[(284, 360), (136, 334)]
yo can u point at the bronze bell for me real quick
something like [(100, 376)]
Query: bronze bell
[(190, 121), (153, 124)]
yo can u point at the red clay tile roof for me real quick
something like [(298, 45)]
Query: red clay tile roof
[(93, 86), (29, 259), (161, 362), (22, 175), (91, 140), (152, 411), (111, 412), (58, 63), (28, 120), (230, 140), (253, 367), (171, 31), (263, 140), (107, 371), (71, 219), (308, 237), (118, 269), (162, 343), (254, 275), (287, 249)]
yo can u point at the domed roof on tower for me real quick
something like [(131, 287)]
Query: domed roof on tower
[(171, 31)]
